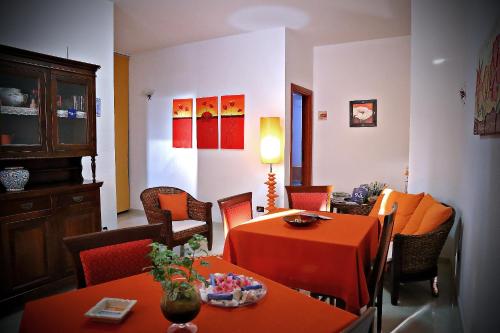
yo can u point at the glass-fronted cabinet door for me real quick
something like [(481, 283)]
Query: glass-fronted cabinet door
[(72, 112), (22, 110)]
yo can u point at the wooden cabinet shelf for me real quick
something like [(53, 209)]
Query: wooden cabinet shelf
[(47, 124)]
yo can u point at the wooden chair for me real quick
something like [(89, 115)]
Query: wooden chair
[(179, 232), (316, 198), (363, 324), (235, 210), (376, 276), (113, 254), (415, 258)]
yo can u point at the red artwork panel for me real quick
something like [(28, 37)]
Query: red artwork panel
[(182, 123), (232, 131), (207, 123)]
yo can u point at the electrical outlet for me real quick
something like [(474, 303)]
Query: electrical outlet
[(260, 209)]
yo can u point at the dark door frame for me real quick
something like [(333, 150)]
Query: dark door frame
[(307, 133)]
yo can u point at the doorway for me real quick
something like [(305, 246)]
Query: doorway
[(301, 136), (121, 82)]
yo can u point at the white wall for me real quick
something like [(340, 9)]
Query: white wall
[(299, 70), (349, 156), (252, 64), (446, 159), (86, 27)]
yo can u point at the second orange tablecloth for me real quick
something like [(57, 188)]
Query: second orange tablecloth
[(330, 257)]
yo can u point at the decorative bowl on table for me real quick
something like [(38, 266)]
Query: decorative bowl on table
[(232, 290), (12, 96), (300, 220)]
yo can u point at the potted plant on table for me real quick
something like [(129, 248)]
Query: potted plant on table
[(181, 300), (374, 190)]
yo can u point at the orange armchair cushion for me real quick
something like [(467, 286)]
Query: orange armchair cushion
[(436, 215), (176, 203), (418, 215), (407, 203)]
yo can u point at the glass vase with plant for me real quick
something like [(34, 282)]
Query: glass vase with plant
[(181, 301)]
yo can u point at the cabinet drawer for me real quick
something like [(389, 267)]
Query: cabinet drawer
[(19, 206), (76, 198)]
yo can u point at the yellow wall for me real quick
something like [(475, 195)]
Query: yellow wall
[(121, 132)]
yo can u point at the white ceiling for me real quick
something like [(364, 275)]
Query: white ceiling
[(142, 25)]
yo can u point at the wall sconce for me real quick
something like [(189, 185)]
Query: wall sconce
[(270, 152)]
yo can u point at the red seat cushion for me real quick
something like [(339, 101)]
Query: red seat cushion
[(117, 261), (309, 201), (236, 215)]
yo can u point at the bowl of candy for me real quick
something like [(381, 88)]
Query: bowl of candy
[(232, 290)]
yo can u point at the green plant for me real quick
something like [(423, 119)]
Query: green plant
[(375, 188), (175, 273)]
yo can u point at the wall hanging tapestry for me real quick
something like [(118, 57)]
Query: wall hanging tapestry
[(487, 110), (363, 113), (207, 127), (182, 123), (232, 130)]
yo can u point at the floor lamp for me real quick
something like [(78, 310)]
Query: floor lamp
[(270, 152)]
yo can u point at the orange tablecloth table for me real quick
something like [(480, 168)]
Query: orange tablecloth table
[(281, 310), (329, 257)]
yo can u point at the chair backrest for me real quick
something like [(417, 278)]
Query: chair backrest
[(235, 210), (107, 249), (377, 271), (314, 198), (363, 324)]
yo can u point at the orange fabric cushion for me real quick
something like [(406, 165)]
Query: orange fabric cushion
[(176, 203), (310, 201), (436, 215), (236, 215), (407, 203), (417, 216), (376, 206), (384, 203), (117, 261)]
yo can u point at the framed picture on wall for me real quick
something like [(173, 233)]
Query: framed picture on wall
[(363, 113)]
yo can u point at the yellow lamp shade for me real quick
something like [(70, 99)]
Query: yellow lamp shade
[(270, 140)]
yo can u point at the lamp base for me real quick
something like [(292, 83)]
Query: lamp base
[(271, 192)]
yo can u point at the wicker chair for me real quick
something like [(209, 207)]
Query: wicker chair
[(197, 210), (415, 258), (307, 197)]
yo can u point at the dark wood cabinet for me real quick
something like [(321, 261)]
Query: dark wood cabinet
[(47, 124)]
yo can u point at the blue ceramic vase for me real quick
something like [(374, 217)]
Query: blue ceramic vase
[(14, 178)]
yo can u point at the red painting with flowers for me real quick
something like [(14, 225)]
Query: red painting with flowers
[(207, 127), (487, 110), (182, 123), (232, 132)]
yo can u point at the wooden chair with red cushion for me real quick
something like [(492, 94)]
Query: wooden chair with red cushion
[(178, 226), (109, 255), (315, 198), (235, 210)]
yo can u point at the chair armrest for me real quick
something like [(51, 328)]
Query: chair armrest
[(156, 215), (414, 253), (200, 211)]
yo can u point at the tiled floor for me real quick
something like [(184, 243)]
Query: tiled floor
[(418, 311)]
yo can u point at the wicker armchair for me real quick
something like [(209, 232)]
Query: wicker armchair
[(415, 258), (197, 210)]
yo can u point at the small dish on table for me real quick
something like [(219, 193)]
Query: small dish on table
[(232, 290), (300, 220), (111, 310)]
